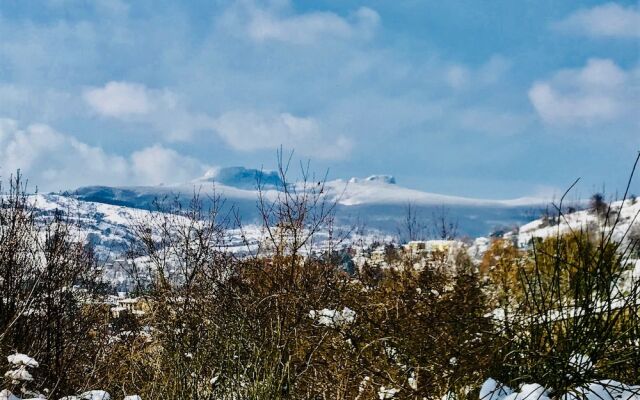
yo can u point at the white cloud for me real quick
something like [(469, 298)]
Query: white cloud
[(459, 76), (249, 131), (278, 22), (606, 20), (158, 164), (134, 102), (52, 160), (244, 131), (600, 92), (122, 99)]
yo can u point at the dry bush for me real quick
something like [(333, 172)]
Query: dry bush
[(579, 316), (47, 294)]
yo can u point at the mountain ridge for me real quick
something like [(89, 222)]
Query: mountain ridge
[(242, 183), (376, 201)]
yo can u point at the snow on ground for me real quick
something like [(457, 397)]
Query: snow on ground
[(606, 389), (110, 228), (333, 318), (20, 359), (626, 215)]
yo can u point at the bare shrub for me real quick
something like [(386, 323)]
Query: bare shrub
[(574, 324), (47, 293)]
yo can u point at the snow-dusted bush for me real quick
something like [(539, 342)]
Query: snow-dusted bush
[(90, 395), (333, 318), (18, 375), (599, 390), (562, 319), (387, 393), (22, 360)]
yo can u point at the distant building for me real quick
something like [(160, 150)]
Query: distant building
[(378, 256), (429, 247), (137, 306)]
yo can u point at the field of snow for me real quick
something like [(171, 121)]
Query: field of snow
[(623, 217)]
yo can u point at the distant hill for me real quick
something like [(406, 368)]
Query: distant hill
[(376, 202)]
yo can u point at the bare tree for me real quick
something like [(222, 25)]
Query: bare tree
[(412, 227), (444, 227), (294, 215)]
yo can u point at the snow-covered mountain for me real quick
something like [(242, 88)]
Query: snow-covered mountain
[(376, 202)]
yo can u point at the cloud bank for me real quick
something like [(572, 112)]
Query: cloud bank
[(245, 131), (277, 21), (54, 160), (609, 20), (599, 92)]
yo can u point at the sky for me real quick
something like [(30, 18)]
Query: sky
[(495, 99)]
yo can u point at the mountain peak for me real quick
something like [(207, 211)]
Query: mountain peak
[(242, 178), (382, 178), (388, 179)]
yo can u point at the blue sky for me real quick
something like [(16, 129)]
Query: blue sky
[(487, 99)]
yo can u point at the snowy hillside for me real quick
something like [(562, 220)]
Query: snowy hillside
[(623, 218), (106, 216), (108, 227), (111, 228)]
